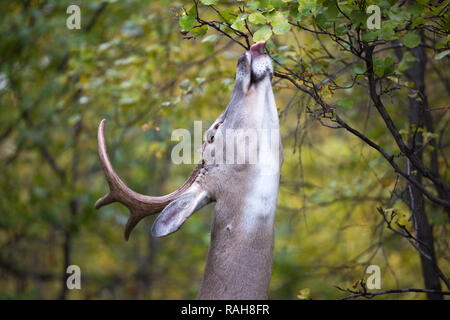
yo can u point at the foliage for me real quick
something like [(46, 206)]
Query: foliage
[(343, 93)]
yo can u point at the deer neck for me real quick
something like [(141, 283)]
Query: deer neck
[(239, 262)]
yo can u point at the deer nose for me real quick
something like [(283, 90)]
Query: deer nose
[(257, 49)]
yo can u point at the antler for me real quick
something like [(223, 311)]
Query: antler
[(139, 205)]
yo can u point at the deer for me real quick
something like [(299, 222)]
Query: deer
[(239, 260)]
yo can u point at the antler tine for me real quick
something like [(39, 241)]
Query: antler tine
[(139, 205)]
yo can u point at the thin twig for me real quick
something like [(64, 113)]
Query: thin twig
[(370, 295)]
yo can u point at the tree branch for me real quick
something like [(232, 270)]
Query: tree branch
[(370, 295)]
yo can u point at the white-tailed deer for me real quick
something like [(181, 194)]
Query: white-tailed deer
[(239, 262)]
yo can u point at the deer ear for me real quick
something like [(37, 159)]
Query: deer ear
[(178, 211)]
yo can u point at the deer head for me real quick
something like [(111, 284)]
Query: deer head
[(245, 192)]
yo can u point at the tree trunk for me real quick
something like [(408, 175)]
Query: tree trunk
[(417, 115)]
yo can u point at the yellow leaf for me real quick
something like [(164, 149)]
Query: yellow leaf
[(304, 294), (403, 219)]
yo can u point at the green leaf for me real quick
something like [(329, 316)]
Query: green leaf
[(276, 17), (378, 66), (399, 16), (239, 22), (341, 30), (332, 10), (257, 18), (238, 25), (307, 7), (209, 2), (187, 22), (323, 21), (262, 34), (415, 9), (199, 31), (417, 21), (384, 66), (210, 38), (192, 11), (358, 17), (279, 22), (389, 65), (370, 36), (227, 16), (388, 34), (295, 14), (281, 28), (442, 54), (358, 69), (345, 103), (411, 39)]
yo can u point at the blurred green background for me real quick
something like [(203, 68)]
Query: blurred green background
[(130, 64)]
